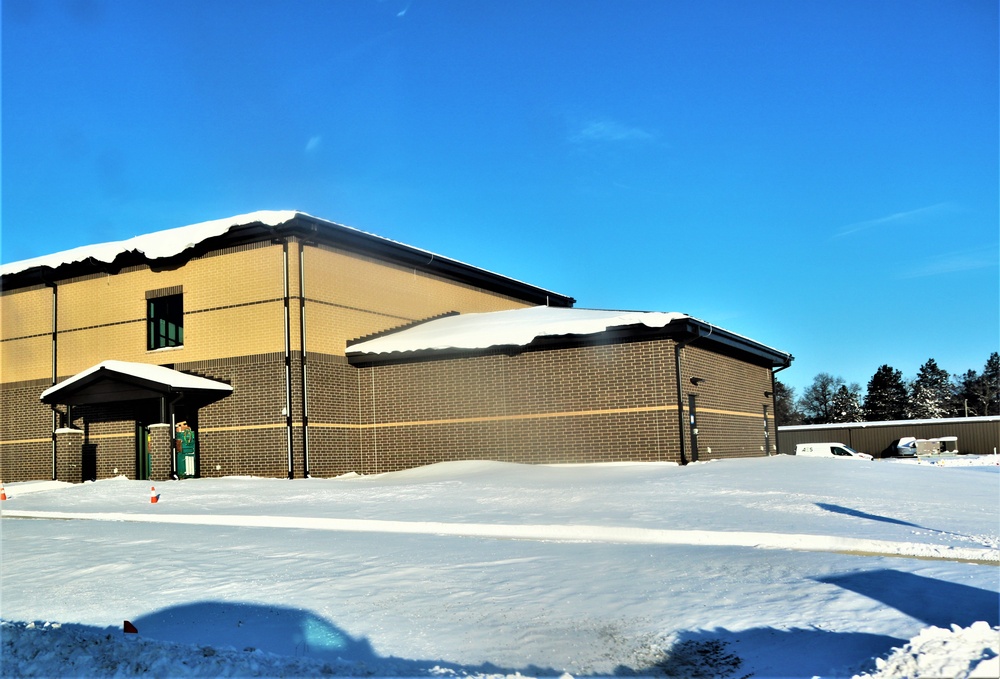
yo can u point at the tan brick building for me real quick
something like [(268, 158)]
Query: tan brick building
[(262, 309)]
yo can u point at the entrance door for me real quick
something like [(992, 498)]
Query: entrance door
[(143, 458), (186, 444), (767, 435), (693, 420)]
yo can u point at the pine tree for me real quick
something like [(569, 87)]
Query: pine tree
[(785, 411), (931, 396), (846, 407), (990, 389), (886, 398), (968, 394)]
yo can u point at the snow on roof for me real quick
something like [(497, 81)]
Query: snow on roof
[(890, 423), (154, 245), (515, 327), (171, 242), (154, 373)]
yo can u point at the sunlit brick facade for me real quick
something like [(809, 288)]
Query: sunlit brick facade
[(269, 310)]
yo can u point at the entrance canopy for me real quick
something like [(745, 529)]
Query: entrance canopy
[(116, 381)]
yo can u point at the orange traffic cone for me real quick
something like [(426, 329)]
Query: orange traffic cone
[(153, 497), (3, 493)]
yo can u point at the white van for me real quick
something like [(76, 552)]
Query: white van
[(829, 450)]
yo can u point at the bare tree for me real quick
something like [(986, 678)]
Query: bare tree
[(816, 403)]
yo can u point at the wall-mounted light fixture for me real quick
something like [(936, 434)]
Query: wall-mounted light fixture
[(768, 394), (697, 380)]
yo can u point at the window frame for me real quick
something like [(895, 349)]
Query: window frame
[(164, 319)]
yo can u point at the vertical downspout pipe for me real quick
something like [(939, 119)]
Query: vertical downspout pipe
[(680, 394), (302, 361), (774, 403), (173, 436), (288, 363), (55, 371)]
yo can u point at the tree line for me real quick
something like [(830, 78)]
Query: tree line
[(933, 393)]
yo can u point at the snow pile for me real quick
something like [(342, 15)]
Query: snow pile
[(951, 460), (52, 649), (962, 653)]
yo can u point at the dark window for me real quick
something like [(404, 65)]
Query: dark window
[(165, 326)]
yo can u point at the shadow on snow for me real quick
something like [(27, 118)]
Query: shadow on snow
[(248, 627), (933, 602), (289, 632), (847, 511), (766, 652), (762, 652)]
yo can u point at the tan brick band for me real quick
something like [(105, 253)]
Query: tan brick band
[(248, 427), (471, 420), (735, 413)]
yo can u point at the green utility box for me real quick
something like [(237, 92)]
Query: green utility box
[(186, 453)]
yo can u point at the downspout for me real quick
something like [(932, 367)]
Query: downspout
[(55, 371), (288, 363), (774, 403), (680, 394), (173, 436), (302, 361)]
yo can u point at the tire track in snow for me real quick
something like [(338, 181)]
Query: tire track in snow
[(558, 533)]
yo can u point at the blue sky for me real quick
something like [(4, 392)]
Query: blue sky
[(819, 176)]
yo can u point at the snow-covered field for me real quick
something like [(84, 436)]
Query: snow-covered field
[(771, 567)]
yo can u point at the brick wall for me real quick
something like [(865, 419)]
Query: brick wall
[(69, 459), (26, 334), (335, 438), (245, 433), (234, 321), (729, 404), (350, 295), (109, 437), (25, 432), (603, 403), (606, 402), (599, 403)]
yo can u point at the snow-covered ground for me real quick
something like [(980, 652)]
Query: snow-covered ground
[(771, 567)]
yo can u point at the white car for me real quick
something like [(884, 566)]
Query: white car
[(906, 446), (838, 450)]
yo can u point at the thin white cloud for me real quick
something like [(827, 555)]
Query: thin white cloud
[(313, 144), (949, 262), (895, 218), (609, 131)]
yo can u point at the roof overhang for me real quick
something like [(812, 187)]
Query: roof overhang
[(534, 329), (120, 381), (731, 343), (173, 247)]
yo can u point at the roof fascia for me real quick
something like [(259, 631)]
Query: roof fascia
[(743, 346), (65, 394), (308, 228), (687, 329)]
